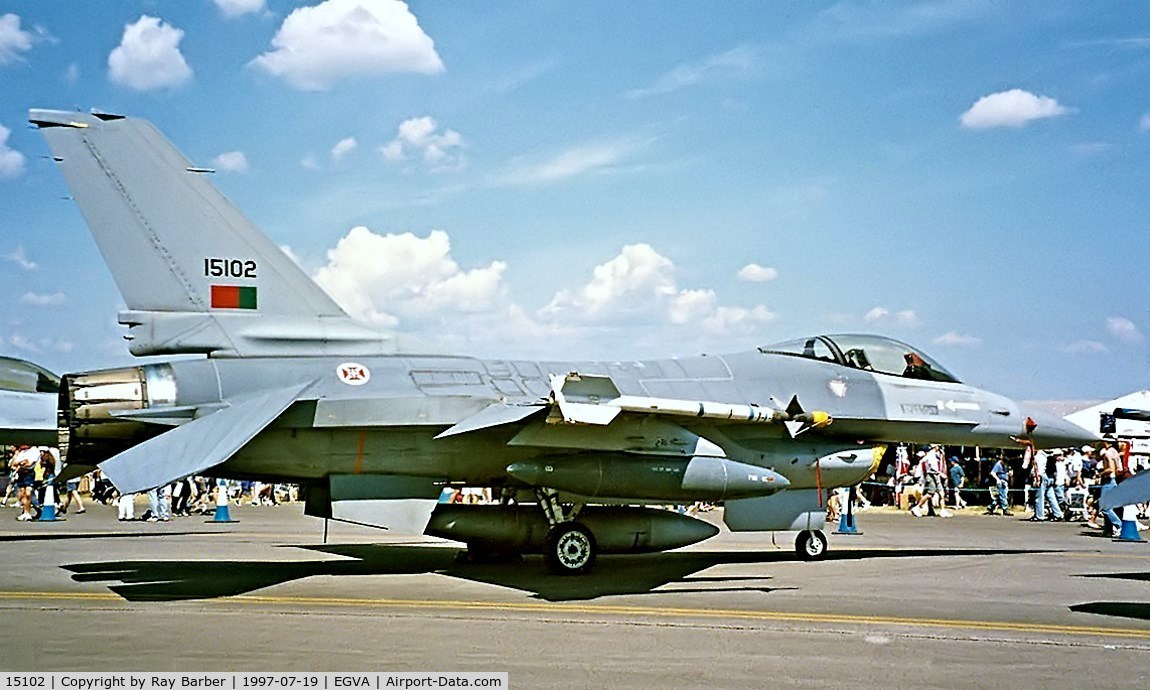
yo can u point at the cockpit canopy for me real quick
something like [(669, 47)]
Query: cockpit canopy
[(868, 353)]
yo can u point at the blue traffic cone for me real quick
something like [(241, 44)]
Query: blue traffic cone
[(1129, 525), (847, 524), (847, 517), (48, 510), (222, 513)]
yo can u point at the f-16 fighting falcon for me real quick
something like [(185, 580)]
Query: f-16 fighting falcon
[(289, 388)]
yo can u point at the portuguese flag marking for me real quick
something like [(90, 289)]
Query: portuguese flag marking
[(233, 297)]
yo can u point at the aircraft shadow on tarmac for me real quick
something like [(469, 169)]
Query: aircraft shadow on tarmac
[(614, 575), (1120, 609)]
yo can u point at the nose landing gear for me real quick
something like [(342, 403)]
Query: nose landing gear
[(811, 545)]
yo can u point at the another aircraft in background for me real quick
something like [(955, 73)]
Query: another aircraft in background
[(28, 395), (291, 389)]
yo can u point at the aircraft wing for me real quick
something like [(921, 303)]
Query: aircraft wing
[(27, 418), (1135, 489), (494, 415), (199, 444)]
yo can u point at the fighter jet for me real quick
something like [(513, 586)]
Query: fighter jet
[(289, 388), (27, 403)]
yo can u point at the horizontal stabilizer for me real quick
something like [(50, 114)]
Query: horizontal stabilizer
[(200, 444), (491, 416), (166, 416), (1133, 490)]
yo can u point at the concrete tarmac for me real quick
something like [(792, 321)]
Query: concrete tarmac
[(971, 601)]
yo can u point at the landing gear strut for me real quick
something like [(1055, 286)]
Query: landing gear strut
[(571, 548), (811, 545)]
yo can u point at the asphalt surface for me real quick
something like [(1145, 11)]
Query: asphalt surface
[(971, 601)]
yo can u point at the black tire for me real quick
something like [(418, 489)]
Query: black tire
[(571, 549), (811, 545)]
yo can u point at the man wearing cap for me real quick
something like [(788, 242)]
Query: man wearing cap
[(1001, 474), (932, 469), (1044, 481)]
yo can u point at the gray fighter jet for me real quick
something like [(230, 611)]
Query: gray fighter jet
[(289, 388), (27, 403)]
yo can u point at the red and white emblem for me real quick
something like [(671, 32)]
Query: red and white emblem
[(353, 374)]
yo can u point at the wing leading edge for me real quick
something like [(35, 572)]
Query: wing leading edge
[(200, 444)]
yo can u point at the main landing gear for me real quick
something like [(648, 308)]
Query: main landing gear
[(571, 548), (811, 545)]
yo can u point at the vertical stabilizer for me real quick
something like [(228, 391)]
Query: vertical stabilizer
[(192, 269)]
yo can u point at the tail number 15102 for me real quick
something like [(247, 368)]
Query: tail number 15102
[(229, 268)]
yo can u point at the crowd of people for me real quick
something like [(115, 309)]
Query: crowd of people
[(34, 470), (1060, 484)]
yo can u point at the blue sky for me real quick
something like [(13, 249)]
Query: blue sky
[(624, 180)]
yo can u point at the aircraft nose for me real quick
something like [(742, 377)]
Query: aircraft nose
[(1052, 431)]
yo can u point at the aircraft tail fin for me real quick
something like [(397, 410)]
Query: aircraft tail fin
[(175, 245)]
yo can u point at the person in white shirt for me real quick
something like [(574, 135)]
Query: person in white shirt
[(931, 467), (1044, 481), (1074, 467)]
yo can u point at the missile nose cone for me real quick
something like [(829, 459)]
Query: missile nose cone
[(527, 472), (695, 531)]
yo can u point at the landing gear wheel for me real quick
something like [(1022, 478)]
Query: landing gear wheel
[(571, 549), (811, 545)]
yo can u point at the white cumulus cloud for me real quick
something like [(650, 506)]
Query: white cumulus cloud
[(754, 273), (638, 286), (626, 283), (13, 39), (388, 279), (420, 138), (1013, 108), (238, 8), (343, 147), (318, 46), (231, 161), (40, 300), (956, 339), (883, 316), (11, 160), (1123, 330), (149, 56)]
